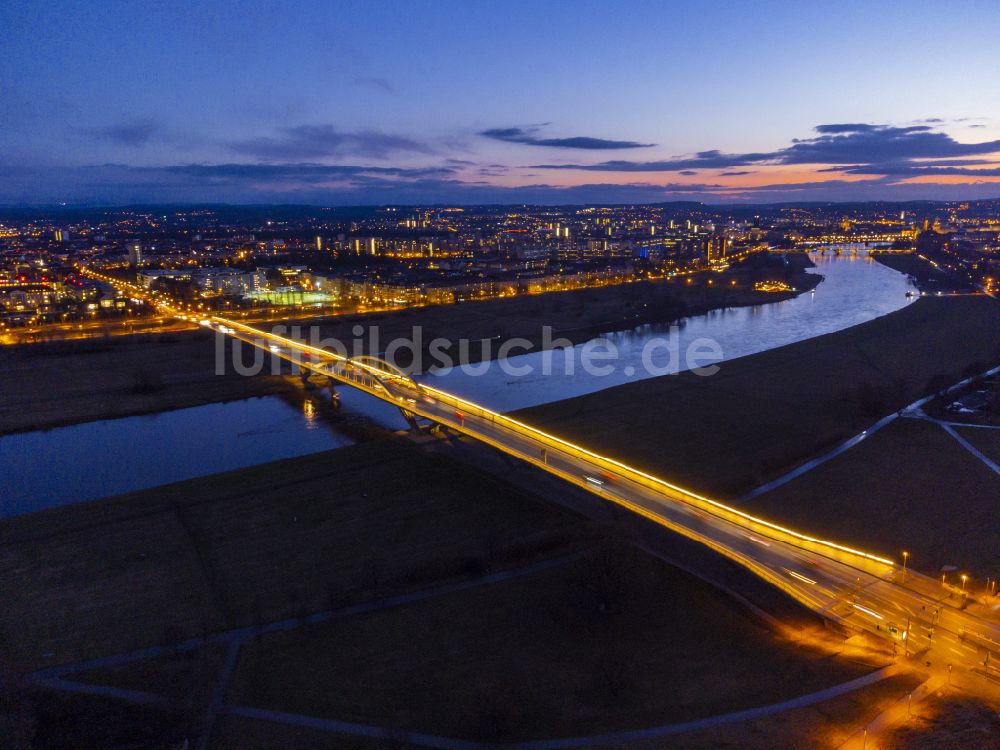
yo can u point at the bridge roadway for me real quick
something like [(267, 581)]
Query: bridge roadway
[(942, 624)]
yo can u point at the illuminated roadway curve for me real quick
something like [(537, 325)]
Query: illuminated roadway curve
[(923, 616)]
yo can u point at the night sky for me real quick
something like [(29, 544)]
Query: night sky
[(472, 102)]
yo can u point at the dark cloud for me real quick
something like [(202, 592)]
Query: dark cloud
[(954, 162), (134, 133), (292, 173), (527, 136), (848, 144), (116, 184), (289, 170), (374, 82), (320, 141), (736, 173), (347, 184), (701, 160), (902, 166), (267, 181), (853, 127), (905, 169), (880, 159), (874, 145)]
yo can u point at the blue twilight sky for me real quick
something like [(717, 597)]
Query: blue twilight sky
[(367, 102)]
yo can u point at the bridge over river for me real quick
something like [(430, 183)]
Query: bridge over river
[(942, 624)]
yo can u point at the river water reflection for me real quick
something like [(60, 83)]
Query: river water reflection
[(855, 289), (81, 462), (86, 461)]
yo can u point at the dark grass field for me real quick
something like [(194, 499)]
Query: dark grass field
[(908, 487), (608, 638), (949, 720), (234, 549), (827, 724), (611, 641), (762, 415)]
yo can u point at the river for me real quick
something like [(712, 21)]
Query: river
[(81, 462), (95, 459), (855, 289)]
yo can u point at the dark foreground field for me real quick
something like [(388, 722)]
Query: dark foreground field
[(454, 603), (910, 486), (947, 721), (251, 546)]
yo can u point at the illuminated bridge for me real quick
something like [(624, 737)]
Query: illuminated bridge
[(943, 624)]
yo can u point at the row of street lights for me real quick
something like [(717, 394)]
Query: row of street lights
[(991, 585)]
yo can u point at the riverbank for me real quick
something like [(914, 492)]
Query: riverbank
[(928, 278), (761, 415), (575, 316), (50, 385)]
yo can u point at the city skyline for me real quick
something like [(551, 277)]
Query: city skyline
[(353, 105)]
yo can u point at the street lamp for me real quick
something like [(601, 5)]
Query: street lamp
[(905, 555), (964, 578)]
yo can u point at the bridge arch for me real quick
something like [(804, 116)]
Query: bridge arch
[(384, 373)]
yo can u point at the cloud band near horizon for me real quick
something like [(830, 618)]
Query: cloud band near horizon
[(847, 161)]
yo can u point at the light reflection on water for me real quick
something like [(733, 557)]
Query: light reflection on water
[(54, 467), (855, 289), (86, 461)]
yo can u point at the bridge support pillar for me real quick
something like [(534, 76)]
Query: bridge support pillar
[(410, 419), (331, 385), (304, 373)]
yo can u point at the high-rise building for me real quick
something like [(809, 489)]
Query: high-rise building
[(365, 245), (716, 249), (319, 242), (135, 254)]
